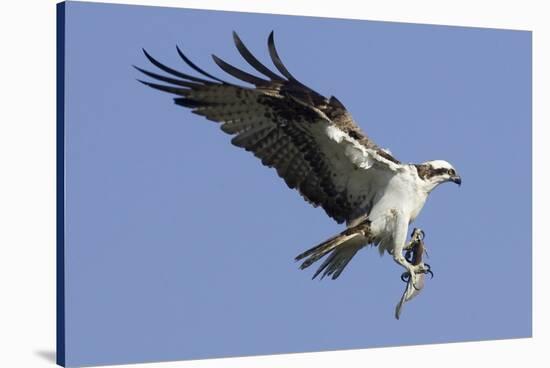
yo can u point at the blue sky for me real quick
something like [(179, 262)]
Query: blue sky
[(181, 246)]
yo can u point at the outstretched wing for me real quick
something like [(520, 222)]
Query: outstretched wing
[(312, 141)]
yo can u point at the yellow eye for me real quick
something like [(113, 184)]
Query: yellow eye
[(451, 172)]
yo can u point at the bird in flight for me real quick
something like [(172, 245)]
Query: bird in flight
[(318, 149)]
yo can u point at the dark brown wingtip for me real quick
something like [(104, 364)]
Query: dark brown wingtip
[(237, 73), (252, 60), (193, 66), (236, 37), (169, 70), (276, 59), (162, 78), (169, 89)]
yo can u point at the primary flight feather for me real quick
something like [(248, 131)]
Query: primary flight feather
[(318, 149)]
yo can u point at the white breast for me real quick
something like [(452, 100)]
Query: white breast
[(401, 197)]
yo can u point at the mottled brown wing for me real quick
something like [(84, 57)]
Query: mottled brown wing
[(310, 140)]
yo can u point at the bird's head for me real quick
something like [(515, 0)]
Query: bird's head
[(437, 172)]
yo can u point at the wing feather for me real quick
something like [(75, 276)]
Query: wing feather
[(277, 60), (239, 74), (172, 71), (193, 66), (251, 59)]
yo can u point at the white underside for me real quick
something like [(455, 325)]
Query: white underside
[(392, 211)]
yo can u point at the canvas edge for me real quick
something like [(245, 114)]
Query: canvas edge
[(60, 184)]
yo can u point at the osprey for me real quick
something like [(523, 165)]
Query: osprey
[(318, 149)]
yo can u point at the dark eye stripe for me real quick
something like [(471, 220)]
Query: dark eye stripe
[(426, 171)]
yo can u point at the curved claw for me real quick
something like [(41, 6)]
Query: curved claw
[(405, 277), (429, 270), (423, 234)]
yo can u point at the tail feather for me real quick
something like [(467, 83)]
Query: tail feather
[(319, 251), (343, 246), (338, 260)]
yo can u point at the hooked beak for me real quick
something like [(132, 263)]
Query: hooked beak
[(457, 180)]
